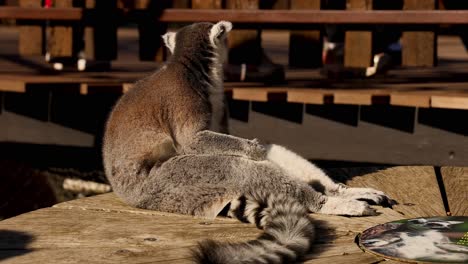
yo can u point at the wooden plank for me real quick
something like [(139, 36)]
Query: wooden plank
[(305, 47), (417, 99), (361, 96), (12, 86), (310, 96), (294, 17), (105, 230), (206, 4), (283, 17), (451, 101), (415, 188), (456, 186), (259, 94), (30, 37), (36, 12), (419, 48), (111, 237), (358, 44), (244, 45), (60, 38)]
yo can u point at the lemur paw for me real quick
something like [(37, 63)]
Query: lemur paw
[(369, 195), (340, 206), (256, 151)]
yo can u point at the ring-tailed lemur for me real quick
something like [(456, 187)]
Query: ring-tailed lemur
[(162, 151)]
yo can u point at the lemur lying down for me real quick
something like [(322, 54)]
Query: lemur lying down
[(164, 149)]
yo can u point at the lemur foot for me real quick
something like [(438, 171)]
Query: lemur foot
[(369, 195), (348, 207)]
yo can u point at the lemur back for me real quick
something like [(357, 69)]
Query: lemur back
[(162, 152), (149, 123)]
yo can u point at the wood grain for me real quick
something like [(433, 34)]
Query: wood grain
[(419, 48), (30, 37), (415, 188), (259, 94), (102, 229), (456, 185), (60, 38), (358, 44), (452, 101)]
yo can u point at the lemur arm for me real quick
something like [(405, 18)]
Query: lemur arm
[(209, 142)]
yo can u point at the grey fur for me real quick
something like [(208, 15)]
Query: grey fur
[(160, 154)]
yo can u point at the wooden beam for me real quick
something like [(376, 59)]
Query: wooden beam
[(295, 17), (16, 86), (417, 99), (452, 101), (361, 97), (245, 46), (310, 96), (206, 4), (30, 37), (419, 48), (305, 47), (32, 11), (260, 94), (60, 38), (358, 44), (281, 17)]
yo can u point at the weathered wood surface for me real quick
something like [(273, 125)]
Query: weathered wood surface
[(30, 37), (456, 185), (358, 44), (450, 96), (273, 17), (419, 48), (416, 188), (60, 38), (102, 229)]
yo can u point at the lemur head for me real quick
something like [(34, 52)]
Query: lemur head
[(203, 37)]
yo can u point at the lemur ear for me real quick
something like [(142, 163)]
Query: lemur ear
[(170, 40), (219, 31)]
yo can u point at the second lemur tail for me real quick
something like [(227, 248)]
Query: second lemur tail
[(287, 237)]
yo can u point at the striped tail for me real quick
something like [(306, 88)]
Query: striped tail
[(287, 237)]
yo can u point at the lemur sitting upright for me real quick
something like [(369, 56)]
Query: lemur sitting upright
[(163, 151)]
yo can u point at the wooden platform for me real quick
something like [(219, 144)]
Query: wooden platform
[(445, 86), (102, 229)]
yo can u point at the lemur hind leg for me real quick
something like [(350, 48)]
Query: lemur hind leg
[(301, 169), (213, 143), (204, 184)]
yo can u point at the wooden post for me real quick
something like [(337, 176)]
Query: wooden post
[(244, 44), (181, 3), (419, 48), (305, 47), (358, 44), (101, 37), (60, 38), (206, 4), (30, 37), (150, 30)]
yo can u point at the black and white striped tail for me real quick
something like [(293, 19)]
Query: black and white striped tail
[(287, 238)]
